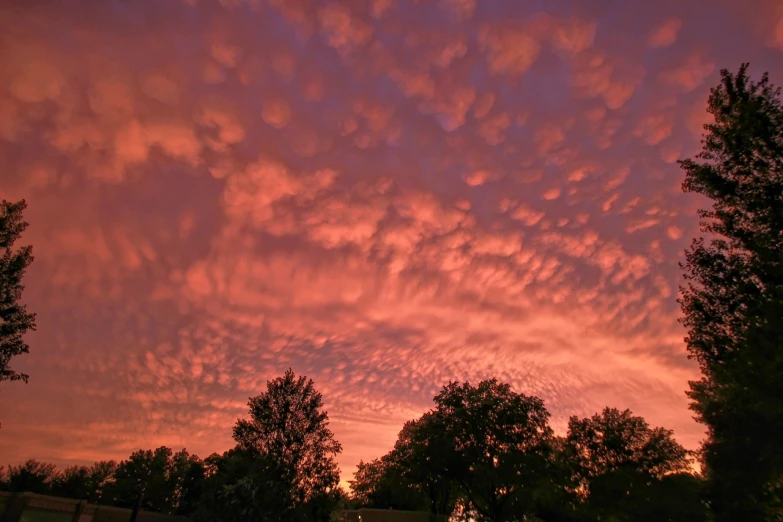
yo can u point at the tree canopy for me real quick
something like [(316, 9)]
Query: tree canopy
[(499, 443), (166, 482), (622, 467), (732, 301), (488, 453), (287, 437), (15, 321), (614, 440)]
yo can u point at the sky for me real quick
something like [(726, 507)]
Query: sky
[(383, 195)]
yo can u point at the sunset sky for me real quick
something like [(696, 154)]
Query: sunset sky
[(383, 195)]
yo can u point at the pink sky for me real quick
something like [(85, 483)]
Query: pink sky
[(383, 195)]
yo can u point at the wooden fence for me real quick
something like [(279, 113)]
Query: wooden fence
[(30, 507)]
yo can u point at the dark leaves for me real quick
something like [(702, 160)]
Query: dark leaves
[(15, 321)]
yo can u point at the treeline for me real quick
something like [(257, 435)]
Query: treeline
[(487, 453), (484, 452), (173, 482), (282, 468)]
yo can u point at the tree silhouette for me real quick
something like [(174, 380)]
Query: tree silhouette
[(289, 430), (242, 485), (72, 482), (422, 456), (383, 484), (33, 476), (15, 321), (167, 482), (733, 298), (616, 440), (625, 470), (500, 447)]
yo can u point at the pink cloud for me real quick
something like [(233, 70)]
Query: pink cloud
[(461, 9), (509, 51), (690, 73), (479, 177), (655, 128), (343, 29), (599, 75), (383, 200), (674, 232), (665, 34), (777, 35)]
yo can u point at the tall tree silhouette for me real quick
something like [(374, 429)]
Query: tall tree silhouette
[(733, 298), (500, 447), (289, 428), (15, 321)]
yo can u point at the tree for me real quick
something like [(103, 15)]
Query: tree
[(381, 484), (560, 500), (101, 478), (288, 431), (32, 476), (15, 321), (622, 467), (72, 482), (732, 301), (165, 481), (186, 478), (243, 485), (83, 482), (616, 440), (422, 459), (499, 444)]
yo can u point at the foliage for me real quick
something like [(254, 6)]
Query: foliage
[(422, 455), (242, 485), (733, 298), (32, 476), (558, 499), (101, 476), (166, 482), (283, 467), (15, 321), (617, 440), (499, 444), (620, 466), (72, 482), (381, 484)]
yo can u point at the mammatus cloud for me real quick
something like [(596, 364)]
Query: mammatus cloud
[(777, 38), (384, 196), (665, 34)]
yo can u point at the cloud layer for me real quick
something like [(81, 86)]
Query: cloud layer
[(383, 195)]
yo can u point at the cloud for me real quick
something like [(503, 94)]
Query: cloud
[(777, 35), (655, 128), (383, 196), (665, 34), (510, 51), (613, 79), (343, 30), (690, 73), (461, 9)]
